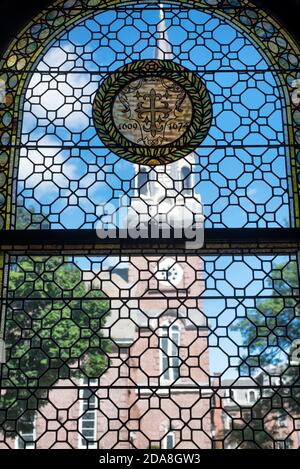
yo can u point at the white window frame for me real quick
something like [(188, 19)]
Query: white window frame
[(169, 361), (83, 414), (186, 175), (19, 442)]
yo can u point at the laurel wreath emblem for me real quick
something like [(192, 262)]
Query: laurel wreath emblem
[(147, 155)]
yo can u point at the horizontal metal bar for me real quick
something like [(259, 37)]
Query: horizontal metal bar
[(219, 240)]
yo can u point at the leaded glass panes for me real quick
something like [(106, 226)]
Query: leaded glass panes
[(241, 169)]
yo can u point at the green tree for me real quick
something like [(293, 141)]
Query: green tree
[(269, 332)]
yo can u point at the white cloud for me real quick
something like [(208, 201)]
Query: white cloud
[(56, 57)]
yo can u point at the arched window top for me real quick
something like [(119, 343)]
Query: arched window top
[(261, 28), (57, 63)]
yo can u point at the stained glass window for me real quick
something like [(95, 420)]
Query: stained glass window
[(146, 343)]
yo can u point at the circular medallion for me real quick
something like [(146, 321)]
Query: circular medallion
[(152, 112)]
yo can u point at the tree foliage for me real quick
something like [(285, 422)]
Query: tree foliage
[(269, 331)]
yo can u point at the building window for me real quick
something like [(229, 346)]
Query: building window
[(169, 346), (27, 433), (88, 415), (169, 441), (57, 173)]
